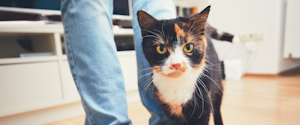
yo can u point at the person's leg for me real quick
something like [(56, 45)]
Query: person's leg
[(160, 9), (93, 60)]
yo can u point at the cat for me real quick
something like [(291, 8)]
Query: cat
[(185, 67)]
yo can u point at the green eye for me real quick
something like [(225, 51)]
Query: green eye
[(188, 48), (161, 49)]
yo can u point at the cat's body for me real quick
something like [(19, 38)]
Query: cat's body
[(185, 67)]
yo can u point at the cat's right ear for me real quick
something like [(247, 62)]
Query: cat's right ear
[(198, 21), (146, 21)]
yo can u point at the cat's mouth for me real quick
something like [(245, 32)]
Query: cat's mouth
[(175, 74), (169, 71)]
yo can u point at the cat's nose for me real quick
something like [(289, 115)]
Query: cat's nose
[(176, 65)]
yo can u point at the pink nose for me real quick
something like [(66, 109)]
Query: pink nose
[(176, 65)]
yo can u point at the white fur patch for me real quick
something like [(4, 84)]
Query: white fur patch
[(235, 39), (175, 57), (180, 89)]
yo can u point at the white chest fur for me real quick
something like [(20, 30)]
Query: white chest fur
[(177, 90)]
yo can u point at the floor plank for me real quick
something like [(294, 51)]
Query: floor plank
[(253, 100)]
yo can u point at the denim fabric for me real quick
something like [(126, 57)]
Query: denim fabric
[(159, 9), (93, 60)]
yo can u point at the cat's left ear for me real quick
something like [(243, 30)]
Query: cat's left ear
[(146, 21), (199, 20)]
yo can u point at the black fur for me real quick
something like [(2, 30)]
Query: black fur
[(213, 33)]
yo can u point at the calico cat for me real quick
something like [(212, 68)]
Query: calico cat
[(185, 66)]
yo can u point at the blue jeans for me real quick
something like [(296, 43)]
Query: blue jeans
[(93, 60)]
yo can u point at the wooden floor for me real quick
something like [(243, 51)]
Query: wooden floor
[(253, 100)]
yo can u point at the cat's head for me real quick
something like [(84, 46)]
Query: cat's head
[(174, 47)]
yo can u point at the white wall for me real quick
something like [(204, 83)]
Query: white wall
[(250, 16)]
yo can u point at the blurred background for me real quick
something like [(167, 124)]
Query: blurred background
[(261, 71)]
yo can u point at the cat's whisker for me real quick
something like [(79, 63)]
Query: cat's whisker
[(146, 81), (202, 100), (194, 99), (207, 67), (213, 81), (207, 92), (189, 74), (196, 30), (197, 35), (200, 96), (193, 32), (212, 65), (154, 34), (141, 76), (144, 75), (148, 86), (145, 68), (191, 26), (194, 37), (209, 62), (145, 88), (195, 103), (160, 33), (153, 37), (157, 31)]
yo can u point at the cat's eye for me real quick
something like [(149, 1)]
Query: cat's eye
[(161, 49), (188, 48)]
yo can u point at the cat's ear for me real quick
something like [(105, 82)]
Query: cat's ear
[(199, 20), (146, 21)]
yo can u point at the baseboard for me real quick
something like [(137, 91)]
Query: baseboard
[(53, 114), (290, 72), (260, 75)]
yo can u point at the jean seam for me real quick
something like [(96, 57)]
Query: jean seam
[(75, 71), (63, 5)]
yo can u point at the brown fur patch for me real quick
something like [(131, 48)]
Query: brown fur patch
[(189, 54), (169, 49), (171, 68), (175, 109), (156, 69), (204, 40), (186, 24), (179, 31)]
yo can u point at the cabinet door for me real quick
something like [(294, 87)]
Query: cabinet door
[(26, 87), (70, 90), (129, 68), (292, 29)]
